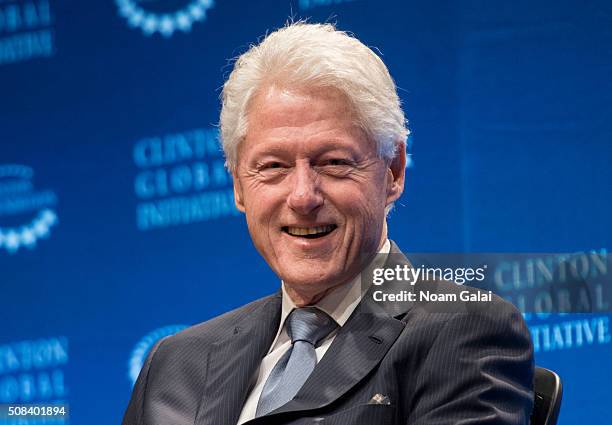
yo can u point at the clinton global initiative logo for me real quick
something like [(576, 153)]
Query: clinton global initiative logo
[(163, 16), (33, 371), (26, 214), (142, 348), (181, 180)]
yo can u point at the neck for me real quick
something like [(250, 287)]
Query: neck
[(301, 299)]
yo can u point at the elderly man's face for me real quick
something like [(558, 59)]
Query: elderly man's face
[(312, 187)]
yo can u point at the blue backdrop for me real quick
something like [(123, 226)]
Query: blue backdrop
[(117, 223)]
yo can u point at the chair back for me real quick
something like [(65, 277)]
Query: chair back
[(548, 393)]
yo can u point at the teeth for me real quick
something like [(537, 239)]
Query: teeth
[(303, 231)]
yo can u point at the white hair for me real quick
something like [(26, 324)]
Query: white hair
[(306, 55)]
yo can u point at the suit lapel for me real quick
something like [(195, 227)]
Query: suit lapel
[(233, 361)]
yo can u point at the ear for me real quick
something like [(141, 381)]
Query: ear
[(238, 198), (396, 174)]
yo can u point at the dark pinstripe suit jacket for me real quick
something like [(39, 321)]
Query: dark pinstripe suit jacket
[(469, 366)]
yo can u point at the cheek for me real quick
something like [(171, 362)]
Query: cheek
[(261, 201), (359, 201), (263, 206)]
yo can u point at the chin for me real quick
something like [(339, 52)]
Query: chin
[(310, 277)]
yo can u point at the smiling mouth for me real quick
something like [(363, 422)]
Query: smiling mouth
[(309, 232)]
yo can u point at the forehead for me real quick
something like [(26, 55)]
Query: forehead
[(300, 104), (306, 118)]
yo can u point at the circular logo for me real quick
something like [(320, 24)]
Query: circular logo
[(164, 17), (140, 351), (26, 215)]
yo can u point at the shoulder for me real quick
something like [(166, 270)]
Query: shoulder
[(200, 336), (479, 322), (463, 311)]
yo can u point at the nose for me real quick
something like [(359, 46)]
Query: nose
[(305, 196)]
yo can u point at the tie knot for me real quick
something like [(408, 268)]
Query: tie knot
[(309, 324)]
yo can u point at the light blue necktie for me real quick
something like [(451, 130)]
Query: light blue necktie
[(306, 327)]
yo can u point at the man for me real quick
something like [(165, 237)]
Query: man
[(315, 138)]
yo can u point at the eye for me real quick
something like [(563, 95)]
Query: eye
[(270, 165), (272, 169), (336, 162), (336, 167)]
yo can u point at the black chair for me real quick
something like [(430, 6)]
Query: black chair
[(548, 393)]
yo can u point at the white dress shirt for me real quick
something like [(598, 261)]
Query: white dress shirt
[(339, 304)]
